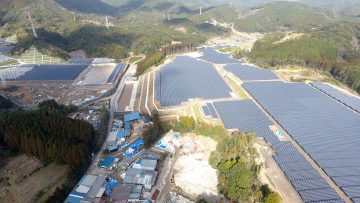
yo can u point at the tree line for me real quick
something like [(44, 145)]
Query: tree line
[(51, 137), (157, 57)]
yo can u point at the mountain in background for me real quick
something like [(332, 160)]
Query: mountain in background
[(279, 15)]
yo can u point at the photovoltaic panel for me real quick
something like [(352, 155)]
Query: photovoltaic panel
[(247, 73), (316, 195), (351, 101), (352, 192), (244, 116), (326, 129), (213, 56), (302, 175), (310, 184), (212, 110), (54, 72), (341, 171), (237, 114), (186, 78), (206, 110)]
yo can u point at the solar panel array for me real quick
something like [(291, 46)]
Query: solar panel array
[(213, 56), (248, 73), (245, 116), (187, 78), (53, 72), (209, 110), (348, 100), (327, 130), (14, 72)]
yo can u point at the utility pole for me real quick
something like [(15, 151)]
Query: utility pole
[(32, 25), (107, 22), (200, 10)]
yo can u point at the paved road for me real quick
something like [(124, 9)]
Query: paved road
[(113, 107)]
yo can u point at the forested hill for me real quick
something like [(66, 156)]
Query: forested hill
[(280, 15), (63, 26), (334, 48)]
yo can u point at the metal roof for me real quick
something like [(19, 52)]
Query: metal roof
[(108, 161), (122, 133), (132, 117)]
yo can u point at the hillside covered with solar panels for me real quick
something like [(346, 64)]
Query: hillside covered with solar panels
[(311, 127)]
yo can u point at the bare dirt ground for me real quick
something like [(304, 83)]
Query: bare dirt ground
[(125, 97), (192, 172), (302, 74), (31, 93), (272, 175), (25, 179), (80, 94), (299, 74), (290, 36)]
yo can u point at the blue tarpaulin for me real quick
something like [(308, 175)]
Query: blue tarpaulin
[(134, 148), (111, 183), (123, 133), (107, 162), (132, 117)]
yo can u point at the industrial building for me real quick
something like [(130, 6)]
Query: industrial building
[(89, 188), (143, 177)]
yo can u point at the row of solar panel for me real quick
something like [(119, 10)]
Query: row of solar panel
[(324, 128), (209, 110), (249, 73), (213, 56), (236, 114), (350, 101)]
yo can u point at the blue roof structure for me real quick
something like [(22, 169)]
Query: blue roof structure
[(132, 117), (122, 133), (326, 129), (186, 78), (350, 101), (107, 162), (74, 197), (127, 126), (213, 56), (248, 73)]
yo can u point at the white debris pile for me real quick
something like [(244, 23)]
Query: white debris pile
[(176, 198), (192, 172)]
